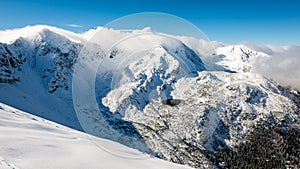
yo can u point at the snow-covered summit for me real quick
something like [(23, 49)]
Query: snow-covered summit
[(238, 58), (31, 32)]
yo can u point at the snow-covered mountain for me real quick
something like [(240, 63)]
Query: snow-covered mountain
[(176, 98), (35, 66)]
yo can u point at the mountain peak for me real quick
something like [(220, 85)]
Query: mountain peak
[(31, 32)]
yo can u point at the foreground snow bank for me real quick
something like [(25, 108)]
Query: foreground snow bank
[(31, 142)]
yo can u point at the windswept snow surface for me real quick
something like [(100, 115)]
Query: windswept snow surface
[(30, 142)]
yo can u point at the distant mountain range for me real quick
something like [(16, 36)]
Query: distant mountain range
[(176, 98)]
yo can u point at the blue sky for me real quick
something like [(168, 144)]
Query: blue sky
[(274, 22)]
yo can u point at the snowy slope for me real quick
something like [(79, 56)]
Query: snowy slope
[(28, 141)]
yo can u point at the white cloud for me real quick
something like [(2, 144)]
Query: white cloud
[(283, 67), (74, 25)]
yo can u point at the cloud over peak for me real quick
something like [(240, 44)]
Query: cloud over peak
[(282, 67), (74, 25)]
